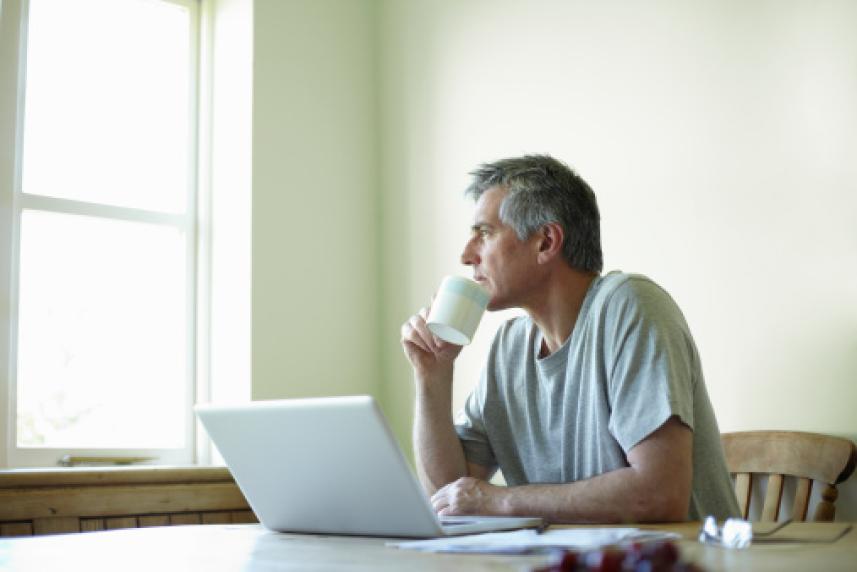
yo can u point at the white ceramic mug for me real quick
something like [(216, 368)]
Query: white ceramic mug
[(457, 309)]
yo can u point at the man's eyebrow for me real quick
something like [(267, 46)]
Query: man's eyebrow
[(481, 225)]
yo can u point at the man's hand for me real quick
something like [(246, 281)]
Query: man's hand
[(468, 496), (428, 354), (440, 458)]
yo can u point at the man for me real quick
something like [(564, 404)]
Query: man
[(593, 405)]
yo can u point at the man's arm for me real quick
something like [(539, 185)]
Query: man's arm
[(654, 488), (440, 456)]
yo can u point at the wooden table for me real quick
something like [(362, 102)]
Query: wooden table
[(250, 548)]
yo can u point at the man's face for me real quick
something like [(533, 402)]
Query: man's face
[(506, 266)]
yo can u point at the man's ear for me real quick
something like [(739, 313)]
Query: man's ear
[(550, 239)]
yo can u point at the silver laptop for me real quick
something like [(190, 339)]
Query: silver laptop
[(332, 466)]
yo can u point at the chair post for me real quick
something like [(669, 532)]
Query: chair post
[(826, 510)]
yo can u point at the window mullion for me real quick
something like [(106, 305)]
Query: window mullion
[(69, 206), (12, 35)]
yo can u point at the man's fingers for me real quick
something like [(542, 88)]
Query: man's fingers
[(418, 346), (416, 332), (441, 345), (418, 323), (446, 501), (439, 501), (446, 507), (424, 315), (412, 337)]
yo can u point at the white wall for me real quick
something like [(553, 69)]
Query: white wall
[(314, 304), (720, 138)]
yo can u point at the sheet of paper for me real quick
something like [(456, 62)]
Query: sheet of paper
[(523, 541)]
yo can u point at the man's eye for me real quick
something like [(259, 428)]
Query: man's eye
[(483, 232)]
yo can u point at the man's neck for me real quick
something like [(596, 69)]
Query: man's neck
[(558, 305)]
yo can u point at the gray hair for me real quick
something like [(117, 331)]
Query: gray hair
[(543, 190)]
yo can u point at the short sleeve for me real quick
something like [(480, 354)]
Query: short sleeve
[(650, 357), (470, 427)]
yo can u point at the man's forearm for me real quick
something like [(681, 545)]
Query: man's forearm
[(440, 457), (620, 496), (655, 487)]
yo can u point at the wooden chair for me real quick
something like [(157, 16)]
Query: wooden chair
[(779, 454)]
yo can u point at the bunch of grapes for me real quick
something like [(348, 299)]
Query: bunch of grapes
[(650, 557)]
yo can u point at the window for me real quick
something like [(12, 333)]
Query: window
[(103, 238)]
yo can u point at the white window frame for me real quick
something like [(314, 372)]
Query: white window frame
[(13, 29)]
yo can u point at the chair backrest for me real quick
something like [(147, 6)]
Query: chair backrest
[(806, 456)]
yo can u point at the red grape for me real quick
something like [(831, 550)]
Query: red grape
[(650, 557)]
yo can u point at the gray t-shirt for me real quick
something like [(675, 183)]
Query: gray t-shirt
[(628, 366)]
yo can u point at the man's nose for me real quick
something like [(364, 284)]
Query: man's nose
[(468, 255)]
